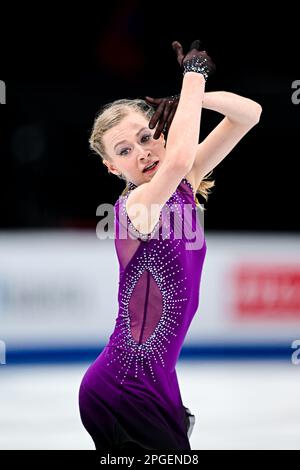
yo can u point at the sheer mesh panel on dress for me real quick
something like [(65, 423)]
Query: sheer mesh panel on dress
[(145, 307)]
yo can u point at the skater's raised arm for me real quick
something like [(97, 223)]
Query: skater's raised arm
[(178, 158), (241, 114), (183, 136)]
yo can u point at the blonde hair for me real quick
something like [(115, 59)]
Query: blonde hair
[(112, 114)]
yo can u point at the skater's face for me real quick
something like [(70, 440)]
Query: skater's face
[(131, 147)]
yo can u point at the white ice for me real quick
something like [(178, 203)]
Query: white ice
[(238, 405)]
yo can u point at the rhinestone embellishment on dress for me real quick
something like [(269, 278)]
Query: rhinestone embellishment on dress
[(161, 264)]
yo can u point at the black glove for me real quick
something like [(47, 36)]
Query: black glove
[(166, 108), (196, 60)]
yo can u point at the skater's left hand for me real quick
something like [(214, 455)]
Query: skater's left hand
[(164, 114), (196, 50)]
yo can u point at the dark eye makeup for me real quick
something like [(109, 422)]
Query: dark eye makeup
[(126, 148)]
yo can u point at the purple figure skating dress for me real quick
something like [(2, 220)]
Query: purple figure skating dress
[(130, 393)]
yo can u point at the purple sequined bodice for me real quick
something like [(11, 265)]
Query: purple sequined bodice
[(158, 288)]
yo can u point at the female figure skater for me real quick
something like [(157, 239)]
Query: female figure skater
[(129, 397)]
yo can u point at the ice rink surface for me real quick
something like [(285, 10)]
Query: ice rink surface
[(238, 405)]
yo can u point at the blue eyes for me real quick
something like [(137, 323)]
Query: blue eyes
[(145, 136)]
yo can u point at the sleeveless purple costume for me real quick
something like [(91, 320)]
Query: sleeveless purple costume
[(130, 393)]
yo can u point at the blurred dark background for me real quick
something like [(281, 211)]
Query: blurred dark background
[(61, 66)]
